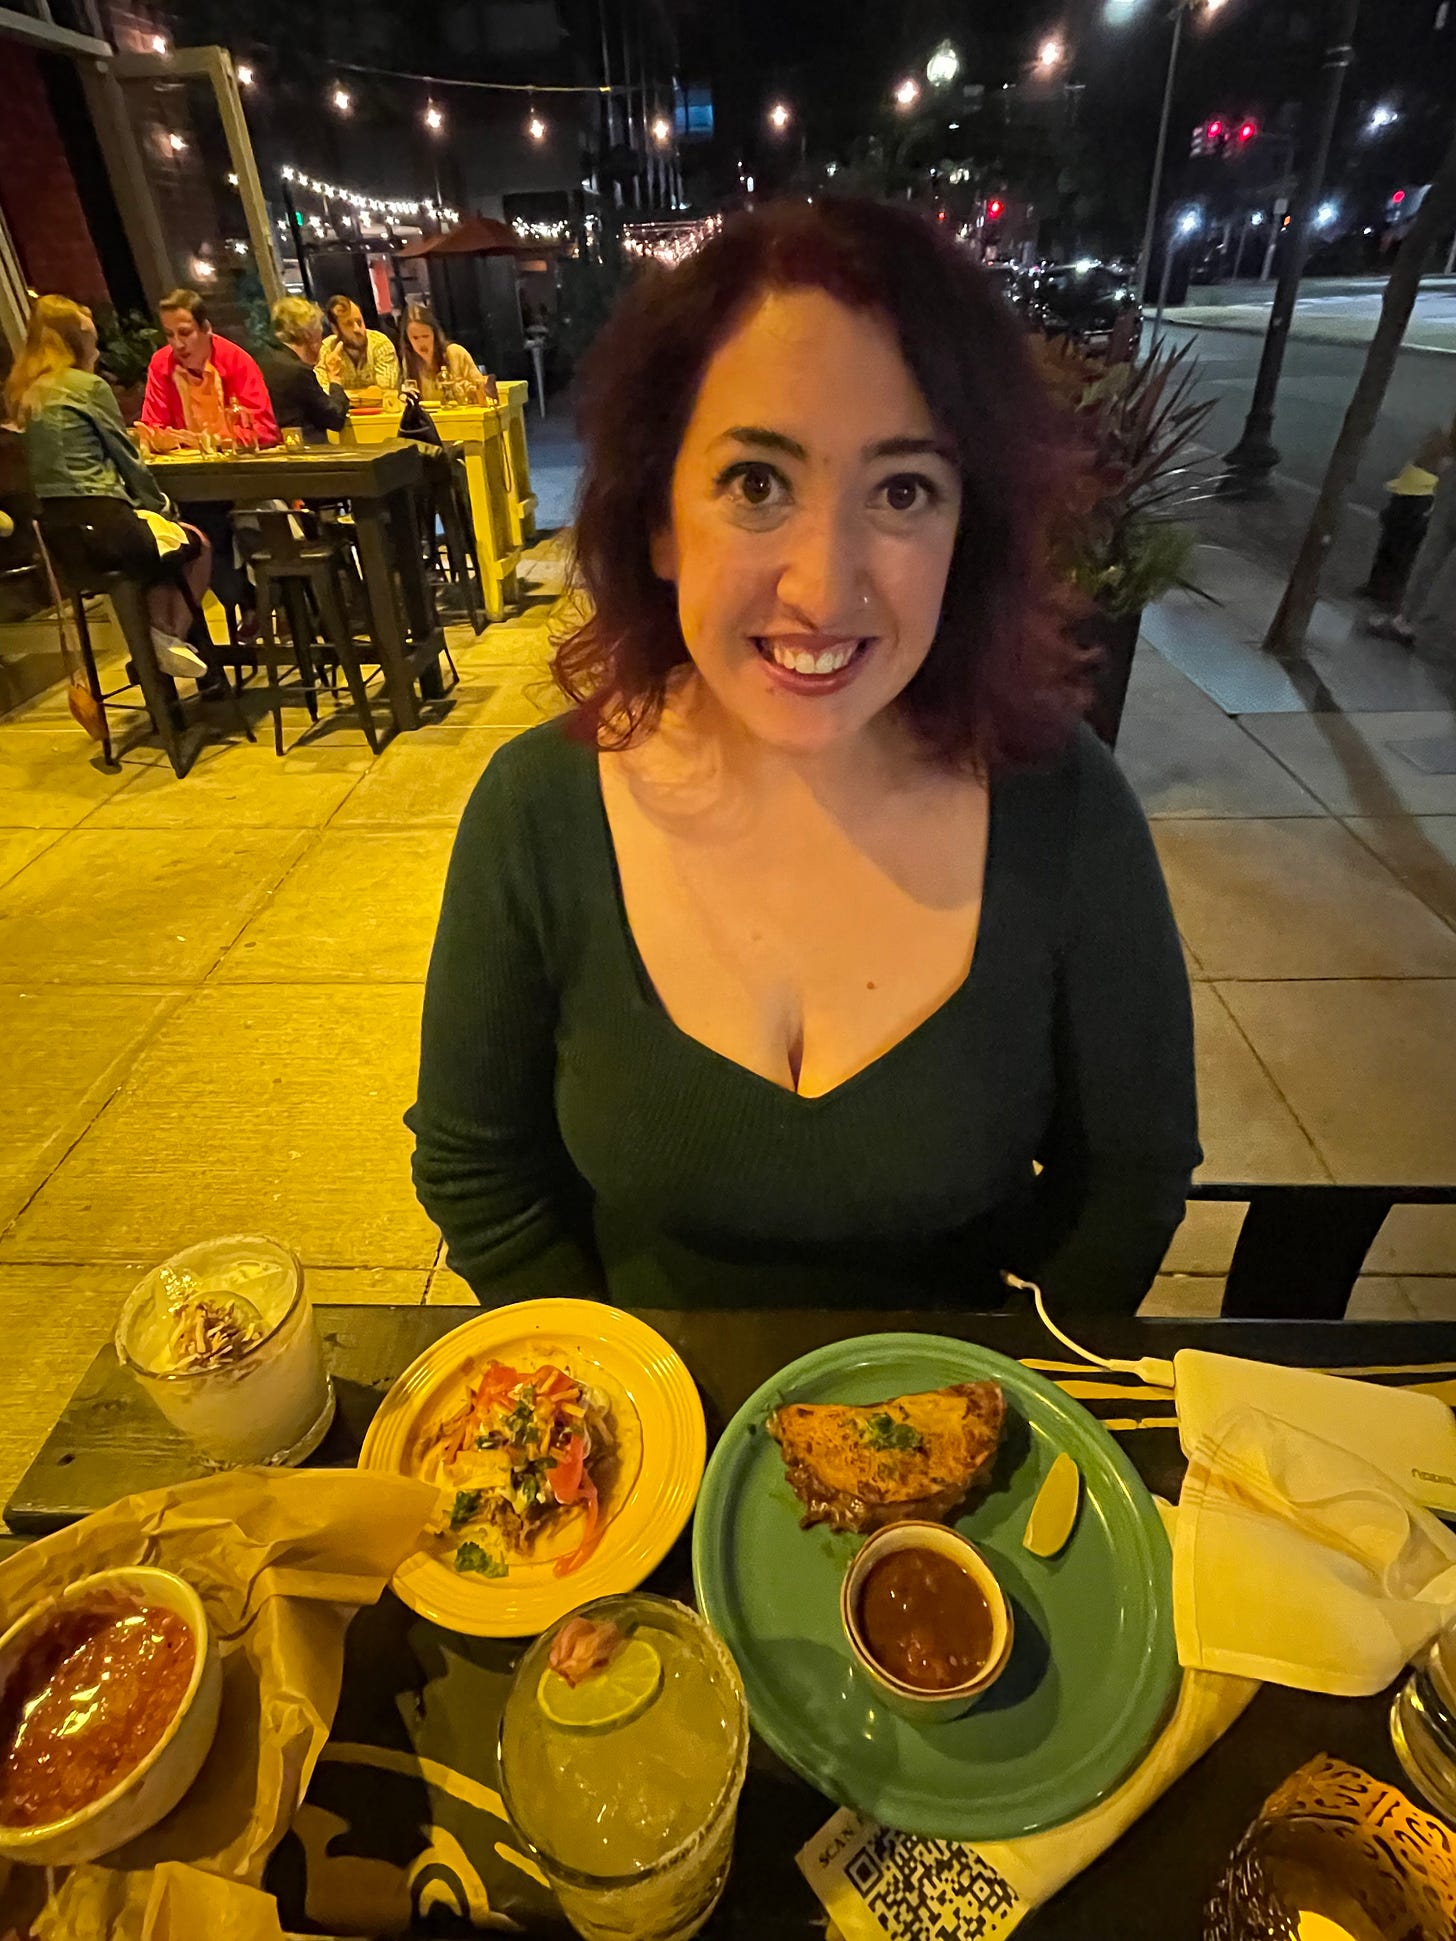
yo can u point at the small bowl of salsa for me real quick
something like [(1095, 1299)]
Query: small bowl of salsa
[(109, 1698), (927, 1622)]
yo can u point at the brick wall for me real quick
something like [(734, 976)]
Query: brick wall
[(37, 191)]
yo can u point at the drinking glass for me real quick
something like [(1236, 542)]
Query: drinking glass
[(222, 1338), (633, 1822), (1423, 1723)]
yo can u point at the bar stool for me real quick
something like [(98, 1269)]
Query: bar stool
[(77, 550), (296, 564), (447, 499)]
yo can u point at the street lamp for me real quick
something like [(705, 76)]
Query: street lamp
[(1326, 215), (907, 93), (779, 117), (1382, 116), (943, 66), (1051, 53), (1116, 12), (661, 131)]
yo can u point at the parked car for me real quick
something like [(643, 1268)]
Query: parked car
[(1008, 278), (1089, 302)]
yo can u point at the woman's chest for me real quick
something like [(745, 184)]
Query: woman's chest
[(798, 948)]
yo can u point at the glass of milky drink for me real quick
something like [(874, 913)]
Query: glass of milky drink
[(222, 1338), (626, 1781)]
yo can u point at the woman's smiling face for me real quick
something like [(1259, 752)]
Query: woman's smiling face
[(815, 505)]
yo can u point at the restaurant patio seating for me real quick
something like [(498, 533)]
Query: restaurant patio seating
[(446, 506), (77, 553), (304, 567)]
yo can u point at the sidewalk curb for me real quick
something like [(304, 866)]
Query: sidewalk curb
[(1297, 336)]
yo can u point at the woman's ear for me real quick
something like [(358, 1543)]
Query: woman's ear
[(664, 553)]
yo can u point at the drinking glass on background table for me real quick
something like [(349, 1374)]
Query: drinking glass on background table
[(1423, 1723), (222, 1338), (631, 1817)]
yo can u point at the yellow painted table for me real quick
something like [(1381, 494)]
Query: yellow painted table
[(490, 467), (515, 392)]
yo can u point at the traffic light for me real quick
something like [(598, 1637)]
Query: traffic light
[(1216, 130), (1247, 131), (995, 209)]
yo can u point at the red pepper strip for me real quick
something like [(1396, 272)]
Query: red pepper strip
[(590, 1537), (567, 1471)]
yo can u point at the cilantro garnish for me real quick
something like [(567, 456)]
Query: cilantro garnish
[(884, 1432), (467, 1502), (470, 1556)]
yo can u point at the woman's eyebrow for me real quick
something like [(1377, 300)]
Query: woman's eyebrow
[(764, 439), (910, 448)]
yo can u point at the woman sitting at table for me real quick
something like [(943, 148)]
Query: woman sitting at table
[(819, 956), (430, 362), (92, 484)]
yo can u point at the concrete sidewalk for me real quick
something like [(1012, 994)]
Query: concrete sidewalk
[(1327, 317), (210, 989)]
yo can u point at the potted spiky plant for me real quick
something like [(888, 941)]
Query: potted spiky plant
[(1121, 540)]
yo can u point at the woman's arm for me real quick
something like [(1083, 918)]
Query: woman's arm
[(1124, 1141), (489, 1164), (105, 414)]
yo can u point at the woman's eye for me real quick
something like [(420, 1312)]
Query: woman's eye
[(753, 485), (908, 492)]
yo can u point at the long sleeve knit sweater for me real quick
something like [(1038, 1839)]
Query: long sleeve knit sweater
[(570, 1138)]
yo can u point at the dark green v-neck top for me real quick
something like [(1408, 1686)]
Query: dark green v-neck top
[(570, 1138)]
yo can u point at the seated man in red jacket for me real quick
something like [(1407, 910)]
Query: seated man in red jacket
[(199, 382)]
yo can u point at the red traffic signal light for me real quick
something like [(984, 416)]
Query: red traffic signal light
[(1398, 197), (1216, 130), (1248, 130), (995, 208)]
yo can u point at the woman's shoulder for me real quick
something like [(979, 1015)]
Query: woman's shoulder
[(542, 777)]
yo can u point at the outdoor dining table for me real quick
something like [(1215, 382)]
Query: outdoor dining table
[(1150, 1886), (379, 484)]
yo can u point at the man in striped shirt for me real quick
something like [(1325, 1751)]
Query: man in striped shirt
[(362, 360)]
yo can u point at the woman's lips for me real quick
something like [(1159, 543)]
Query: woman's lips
[(812, 663)]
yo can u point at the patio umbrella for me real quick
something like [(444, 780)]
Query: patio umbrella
[(478, 236)]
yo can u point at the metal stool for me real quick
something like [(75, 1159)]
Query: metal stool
[(289, 571), (447, 498)]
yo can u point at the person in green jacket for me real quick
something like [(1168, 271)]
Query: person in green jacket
[(818, 955), (88, 476)]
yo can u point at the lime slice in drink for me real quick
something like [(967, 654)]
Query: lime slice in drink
[(624, 1688), (1055, 1509)]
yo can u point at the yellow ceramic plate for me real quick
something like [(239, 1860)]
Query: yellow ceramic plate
[(647, 1492)]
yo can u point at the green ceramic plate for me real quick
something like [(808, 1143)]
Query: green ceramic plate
[(1093, 1670)]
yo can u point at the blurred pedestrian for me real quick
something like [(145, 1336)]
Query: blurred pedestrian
[(1405, 518)]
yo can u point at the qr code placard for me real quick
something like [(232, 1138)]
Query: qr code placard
[(930, 1890)]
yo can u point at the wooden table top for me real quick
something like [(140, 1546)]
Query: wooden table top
[(293, 471)]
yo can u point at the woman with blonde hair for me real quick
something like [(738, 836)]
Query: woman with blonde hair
[(430, 361), (91, 482)]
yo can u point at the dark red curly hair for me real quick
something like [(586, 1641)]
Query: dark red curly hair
[(1004, 680)]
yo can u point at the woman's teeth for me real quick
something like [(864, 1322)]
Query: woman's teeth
[(798, 660)]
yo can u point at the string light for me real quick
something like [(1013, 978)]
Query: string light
[(159, 43), (540, 232), (778, 116), (238, 248), (342, 100), (177, 143), (232, 179), (908, 93), (434, 120), (669, 245), (661, 131), (244, 74), (202, 271), (369, 205), (536, 128)]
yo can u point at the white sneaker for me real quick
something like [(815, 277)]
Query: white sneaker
[(176, 658)]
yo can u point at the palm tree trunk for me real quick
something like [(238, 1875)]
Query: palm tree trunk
[(1435, 215)]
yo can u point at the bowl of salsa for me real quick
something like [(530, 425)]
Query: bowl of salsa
[(109, 1697), (927, 1622)]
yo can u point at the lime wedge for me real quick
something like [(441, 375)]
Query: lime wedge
[(1055, 1509), (626, 1687)]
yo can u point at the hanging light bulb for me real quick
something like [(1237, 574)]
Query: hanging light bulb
[(159, 43), (536, 128), (342, 99), (434, 120), (661, 131), (244, 74)]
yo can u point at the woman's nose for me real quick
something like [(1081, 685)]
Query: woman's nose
[(823, 578)]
